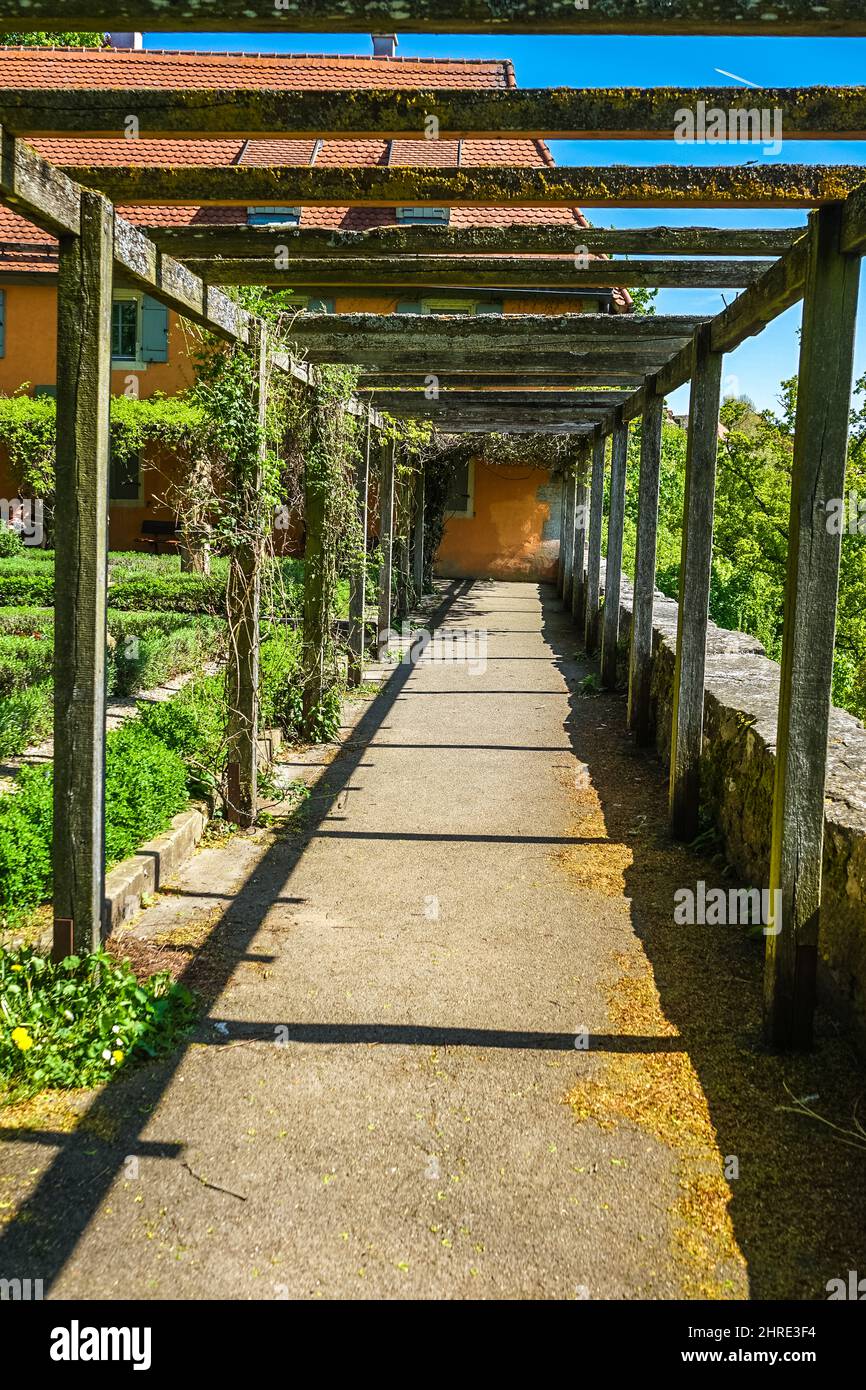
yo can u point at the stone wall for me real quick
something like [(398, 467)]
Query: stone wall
[(742, 695)]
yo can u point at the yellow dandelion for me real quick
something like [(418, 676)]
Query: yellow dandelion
[(22, 1039)]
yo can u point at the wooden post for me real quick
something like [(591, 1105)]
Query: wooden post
[(402, 514), (578, 584), (593, 561), (418, 539), (568, 561), (358, 577), (243, 591), (560, 563), (814, 546), (694, 599), (81, 560), (386, 543), (318, 576), (613, 566), (641, 652)]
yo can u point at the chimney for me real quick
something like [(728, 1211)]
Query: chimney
[(126, 40), (384, 45)]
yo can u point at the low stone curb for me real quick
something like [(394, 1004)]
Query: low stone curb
[(155, 862)]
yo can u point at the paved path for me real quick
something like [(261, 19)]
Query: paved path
[(375, 1106)]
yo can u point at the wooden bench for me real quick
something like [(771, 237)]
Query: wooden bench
[(156, 533)]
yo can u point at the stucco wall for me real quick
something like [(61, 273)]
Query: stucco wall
[(738, 766), (513, 532)]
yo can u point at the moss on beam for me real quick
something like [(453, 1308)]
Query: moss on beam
[(765, 17), (771, 185), (564, 113)]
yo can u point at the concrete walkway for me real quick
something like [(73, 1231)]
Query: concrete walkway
[(455, 1047)]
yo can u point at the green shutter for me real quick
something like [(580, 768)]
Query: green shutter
[(50, 391), (493, 307), (154, 331), (2, 323), (409, 306)]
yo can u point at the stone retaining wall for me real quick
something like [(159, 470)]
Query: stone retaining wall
[(740, 710)]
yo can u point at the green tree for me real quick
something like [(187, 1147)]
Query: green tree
[(38, 38)]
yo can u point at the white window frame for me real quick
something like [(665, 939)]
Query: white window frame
[(426, 220), (130, 364), (469, 512)]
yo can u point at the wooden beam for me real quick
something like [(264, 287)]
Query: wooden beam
[(295, 243), (641, 646), (358, 575), (813, 18), (81, 550), (656, 186), (41, 193), (243, 593), (613, 561), (418, 535), (560, 558), (520, 380), (480, 113), (483, 273), (415, 402), (578, 584), (695, 571), (814, 549), (593, 562), (386, 542)]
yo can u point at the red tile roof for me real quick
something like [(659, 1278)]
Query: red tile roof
[(130, 68)]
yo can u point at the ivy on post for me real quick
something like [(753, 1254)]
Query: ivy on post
[(358, 576), (568, 560), (402, 518), (593, 561), (243, 593), (418, 537), (318, 565), (814, 548), (641, 650), (694, 599), (578, 585), (560, 563), (81, 563), (613, 566), (386, 541)]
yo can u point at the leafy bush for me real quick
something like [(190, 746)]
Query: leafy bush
[(10, 541), (23, 662), (81, 1022), (26, 716), (192, 725), (26, 622), (25, 586), (144, 655), (179, 593), (145, 785)]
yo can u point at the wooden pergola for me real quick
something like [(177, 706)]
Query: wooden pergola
[(589, 375)]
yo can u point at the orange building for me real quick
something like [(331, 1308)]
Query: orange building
[(504, 522)]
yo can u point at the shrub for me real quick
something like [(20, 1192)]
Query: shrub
[(179, 593), (146, 655), (145, 785), (193, 726), (23, 662), (26, 586), (10, 541), (81, 1022), (26, 716)]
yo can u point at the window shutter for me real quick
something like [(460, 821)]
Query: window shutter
[(493, 307), (154, 331), (409, 306), (50, 391), (320, 306), (2, 323)]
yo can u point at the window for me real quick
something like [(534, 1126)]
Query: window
[(124, 478), (124, 330), (461, 491), (425, 216), (273, 217), (317, 306), (448, 306)]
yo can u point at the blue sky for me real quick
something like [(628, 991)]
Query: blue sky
[(760, 364)]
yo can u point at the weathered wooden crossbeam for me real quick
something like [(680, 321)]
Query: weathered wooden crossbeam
[(484, 273), (583, 362), (747, 186), (770, 17), (521, 378), (557, 113), (48, 197), (552, 331), (257, 243), (578, 403)]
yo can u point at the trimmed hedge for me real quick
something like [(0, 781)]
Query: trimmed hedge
[(145, 785)]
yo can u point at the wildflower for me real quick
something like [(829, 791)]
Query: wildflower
[(117, 1057), (22, 1039), (116, 1028), (17, 968), (106, 1055), (70, 1017)]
